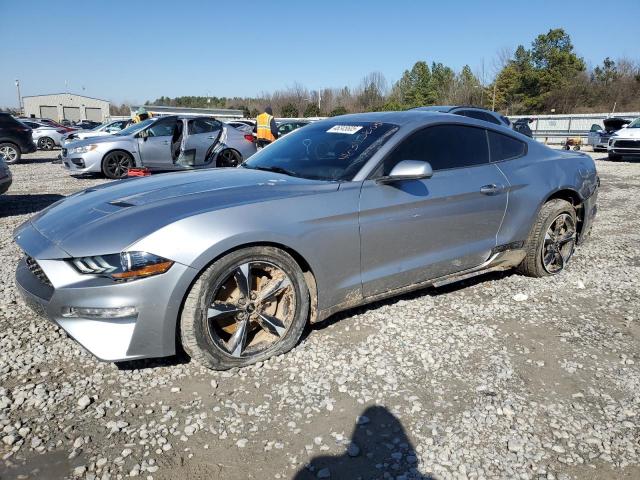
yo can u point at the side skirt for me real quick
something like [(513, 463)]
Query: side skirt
[(498, 261)]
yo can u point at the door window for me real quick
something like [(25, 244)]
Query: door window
[(443, 146), (595, 127), (162, 128), (504, 147), (203, 125)]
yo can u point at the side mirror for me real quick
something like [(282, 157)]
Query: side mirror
[(408, 170), (144, 134)]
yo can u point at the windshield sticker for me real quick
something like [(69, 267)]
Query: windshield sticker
[(348, 129)]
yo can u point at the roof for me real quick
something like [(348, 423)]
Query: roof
[(397, 118), (64, 93)]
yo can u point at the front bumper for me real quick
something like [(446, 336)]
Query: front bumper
[(623, 146), (89, 162), (151, 332)]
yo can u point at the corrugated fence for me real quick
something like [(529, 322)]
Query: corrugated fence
[(557, 128)]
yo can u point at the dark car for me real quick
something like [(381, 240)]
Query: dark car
[(289, 126), (15, 139), (472, 112), (522, 125), (86, 124)]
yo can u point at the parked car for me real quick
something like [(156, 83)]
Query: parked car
[(5, 176), (235, 262), (471, 112), (106, 128), (599, 136), (625, 142), (242, 126), (49, 122), (161, 143), (86, 124), (289, 126), (15, 139), (45, 136), (522, 125)]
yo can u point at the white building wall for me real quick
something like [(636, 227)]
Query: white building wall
[(32, 104)]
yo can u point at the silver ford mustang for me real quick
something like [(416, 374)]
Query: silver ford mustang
[(233, 263)]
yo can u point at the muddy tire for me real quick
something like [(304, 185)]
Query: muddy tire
[(244, 308), (551, 241)]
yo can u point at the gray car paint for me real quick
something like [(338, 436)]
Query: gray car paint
[(361, 239)]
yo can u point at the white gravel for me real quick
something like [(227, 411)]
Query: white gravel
[(501, 377)]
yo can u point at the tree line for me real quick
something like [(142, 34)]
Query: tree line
[(547, 77)]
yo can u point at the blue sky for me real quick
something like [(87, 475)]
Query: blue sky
[(139, 50)]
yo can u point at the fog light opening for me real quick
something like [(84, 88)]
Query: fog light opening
[(98, 312)]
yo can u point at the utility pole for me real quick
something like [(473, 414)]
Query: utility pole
[(493, 102), (19, 97), (319, 98)]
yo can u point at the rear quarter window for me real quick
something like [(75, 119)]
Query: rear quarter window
[(503, 147)]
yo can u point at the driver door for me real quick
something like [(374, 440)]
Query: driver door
[(154, 144), (416, 230)]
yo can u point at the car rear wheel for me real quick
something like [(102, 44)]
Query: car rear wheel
[(552, 240), (116, 165), (10, 153), (246, 307), (46, 143), (228, 158)]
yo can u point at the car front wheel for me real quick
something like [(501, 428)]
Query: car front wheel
[(246, 307), (116, 165), (552, 240)]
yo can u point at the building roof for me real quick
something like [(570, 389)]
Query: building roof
[(64, 93), (186, 110)]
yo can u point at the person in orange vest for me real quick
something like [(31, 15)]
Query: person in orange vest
[(266, 128)]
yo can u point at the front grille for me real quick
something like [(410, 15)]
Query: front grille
[(34, 268), (627, 144)]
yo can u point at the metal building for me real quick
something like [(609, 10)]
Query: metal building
[(69, 106)]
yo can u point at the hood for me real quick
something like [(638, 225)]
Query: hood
[(614, 123), (108, 218), (88, 139), (627, 133)]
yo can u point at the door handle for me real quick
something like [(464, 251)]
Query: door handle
[(491, 189), (211, 138), (166, 142)]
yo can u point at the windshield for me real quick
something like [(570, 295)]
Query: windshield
[(331, 151), (635, 123), (135, 128)]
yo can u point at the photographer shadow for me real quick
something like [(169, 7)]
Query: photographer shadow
[(378, 444)]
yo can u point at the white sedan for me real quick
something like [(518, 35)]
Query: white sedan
[(46, 137), (108, 128)]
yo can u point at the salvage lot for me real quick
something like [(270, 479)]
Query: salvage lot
[(502, 376)]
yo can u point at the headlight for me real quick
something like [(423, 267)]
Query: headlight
[(123, 266), (84, 149)]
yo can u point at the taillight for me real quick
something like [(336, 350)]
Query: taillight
[(248, 137)]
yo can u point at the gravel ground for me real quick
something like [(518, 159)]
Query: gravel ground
[(499, 377)]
